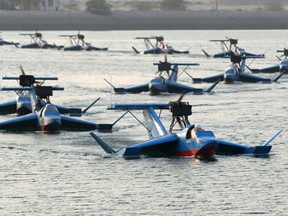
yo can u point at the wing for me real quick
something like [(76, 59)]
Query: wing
[(155, 50), (229, 148), (74, 124), (26, 122), (133, 89), (271, 69), (173, 87), (210, 79), (8, 108), (251, 54), (160, 146), (62, 109), (71, 111), (180, 52), (245, 77)]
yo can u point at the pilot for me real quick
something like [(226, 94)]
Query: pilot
[(196, 129)]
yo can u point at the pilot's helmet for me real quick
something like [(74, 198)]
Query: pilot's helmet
[(198, 127)]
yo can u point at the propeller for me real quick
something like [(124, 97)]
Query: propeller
[(164, 66), (180, 112), (28, 80)]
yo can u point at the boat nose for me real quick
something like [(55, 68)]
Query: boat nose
[(208, 150), (228, 78), (283, 68)]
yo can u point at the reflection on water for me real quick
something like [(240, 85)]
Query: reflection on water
[(69, 174)]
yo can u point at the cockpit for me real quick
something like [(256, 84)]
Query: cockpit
[(49, 109), (195, 131), (186, 132)]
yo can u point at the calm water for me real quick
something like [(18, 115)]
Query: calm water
[(69, 174)]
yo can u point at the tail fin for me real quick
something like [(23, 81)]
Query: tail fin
[(15, 44), (109, 127), (119, 118), (195, 80), (252, 70), (135, 50), (272, 138), (59, 48), (87, 108), (213, 86), (116, 90), (110, 84), (279, 76), (189, 75), (206, 53), (104, 146)]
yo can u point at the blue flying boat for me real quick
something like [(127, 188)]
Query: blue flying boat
[(78, 43), (236, 73), (166, 81), (229, 46), (47, 118), (191, 140), (160, 46), (22, 104)]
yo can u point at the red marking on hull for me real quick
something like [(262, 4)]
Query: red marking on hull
[(50, 128), (154, 91), (228, 81), (207, 152)]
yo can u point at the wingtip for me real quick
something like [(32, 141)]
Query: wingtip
[(135, 50), (280, 75), (103, 145), (213, 86), (206, 53)]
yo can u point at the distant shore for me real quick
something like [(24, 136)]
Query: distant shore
[(141, 20)]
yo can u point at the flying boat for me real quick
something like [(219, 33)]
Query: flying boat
[(159, 47), (37, 41), (190, 141), (47, 118), (4, 42), (166, 81), (236, 73), (22, 104), (78, 43), (228, 46)]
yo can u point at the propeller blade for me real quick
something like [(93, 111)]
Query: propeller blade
[(22, 70), (181, 96)]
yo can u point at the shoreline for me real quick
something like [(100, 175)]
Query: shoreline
[(143, 20)]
